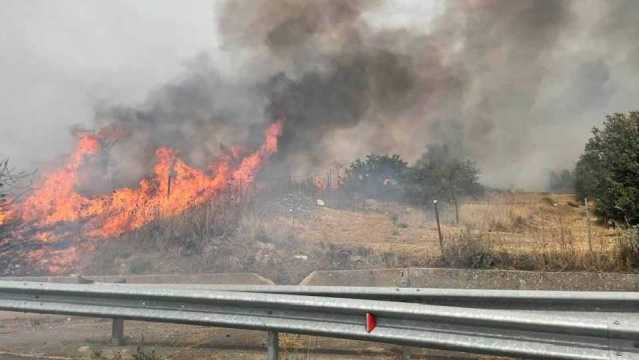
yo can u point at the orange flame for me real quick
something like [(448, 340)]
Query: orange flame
[(174, 188), (3, 216)]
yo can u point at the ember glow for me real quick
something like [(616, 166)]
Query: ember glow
[(173, 188)]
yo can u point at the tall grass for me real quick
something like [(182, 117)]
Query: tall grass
[(477, 252)]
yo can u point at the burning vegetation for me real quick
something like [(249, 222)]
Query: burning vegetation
[(480, 82), (58, 216)]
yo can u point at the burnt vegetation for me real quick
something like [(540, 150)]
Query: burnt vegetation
[(13, 184)]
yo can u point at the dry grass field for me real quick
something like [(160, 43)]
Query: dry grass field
[(517, 222), (528, 231), (516, 225)]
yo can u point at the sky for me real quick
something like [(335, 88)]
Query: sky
[(60, 58)]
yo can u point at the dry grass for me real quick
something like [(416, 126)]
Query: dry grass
[(529, 231), (519, 222), (525, 222), (536, 231), (468, 251)]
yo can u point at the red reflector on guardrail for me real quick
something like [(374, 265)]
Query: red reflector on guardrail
[(371, 322)]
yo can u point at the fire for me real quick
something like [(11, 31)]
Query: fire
[(173, 188), (320, 183)]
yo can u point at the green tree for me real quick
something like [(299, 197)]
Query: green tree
[(440, 175), (608, 170), (377, 176)]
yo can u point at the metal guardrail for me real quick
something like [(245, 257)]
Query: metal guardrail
[(598, 301), (538, 334)]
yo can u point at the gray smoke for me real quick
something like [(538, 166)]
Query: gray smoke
[(514, 84), (200, 116)]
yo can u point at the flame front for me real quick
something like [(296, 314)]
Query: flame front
[(173, 188)]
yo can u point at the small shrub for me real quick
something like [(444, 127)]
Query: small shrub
[(468, 251), (139, 266), (140, 354), (548, 201), (628, 249), (497, 225)]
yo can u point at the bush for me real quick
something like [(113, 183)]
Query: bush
[(469, 252), (628, 250), (11, 184), (440, 175), (378, 176), (436, 175), (608, 170)]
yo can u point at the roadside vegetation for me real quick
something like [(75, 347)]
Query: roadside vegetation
[(12, 184), (380, 214), (608, 171)]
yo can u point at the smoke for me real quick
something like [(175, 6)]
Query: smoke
[(199, 115), (343, 86), (515, 85)]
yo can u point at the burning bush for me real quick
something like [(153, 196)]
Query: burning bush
[(64, 223)]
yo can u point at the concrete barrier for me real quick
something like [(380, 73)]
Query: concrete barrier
[(201, 278), (375, 277), (476, 279)]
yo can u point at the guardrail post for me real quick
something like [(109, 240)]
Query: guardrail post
[(117, 327), (117, 332), (272, 345)]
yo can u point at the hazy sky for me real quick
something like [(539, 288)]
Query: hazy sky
[(59, 58)]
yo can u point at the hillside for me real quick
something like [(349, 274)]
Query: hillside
[(532, 231)]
